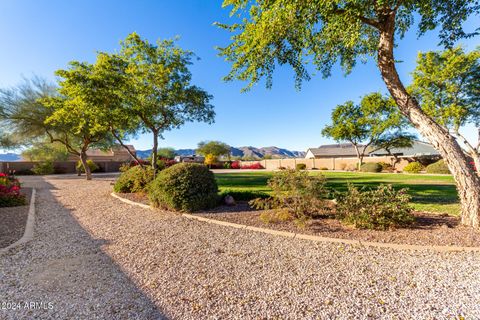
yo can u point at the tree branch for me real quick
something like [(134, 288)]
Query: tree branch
[(371, 22)]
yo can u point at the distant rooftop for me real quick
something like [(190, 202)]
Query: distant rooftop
[(419, 148)]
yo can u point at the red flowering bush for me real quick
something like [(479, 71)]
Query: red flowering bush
[(255, 166), (10, 192), (235, 165)]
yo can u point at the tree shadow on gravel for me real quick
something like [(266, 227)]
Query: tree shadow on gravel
[(65, 266)]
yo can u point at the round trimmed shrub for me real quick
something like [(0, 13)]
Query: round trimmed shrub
[(438, 167), (413, 167), (301, 166), (134, 180), (184, 187), (371, 167)]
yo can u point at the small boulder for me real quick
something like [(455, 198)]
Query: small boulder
[(229, 201)]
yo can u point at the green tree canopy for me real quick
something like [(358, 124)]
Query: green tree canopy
[(447, 85), (76, 112), (46, 151), (214, 148), (167, 153), (160, 92), (364, 124), (23, 116), (328, 32)]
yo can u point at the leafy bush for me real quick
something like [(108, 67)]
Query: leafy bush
[(184, 187), (300, 166), (413, 167), (134, 180), (10, 195), (371, 167), (255, 166), (92, 165), (297, 192), (227, 165), (323, 168), (386, 166), (381, 208), (280, 215), (43, 168), (438, 167)]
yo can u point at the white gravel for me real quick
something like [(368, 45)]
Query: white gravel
[(94, 257)]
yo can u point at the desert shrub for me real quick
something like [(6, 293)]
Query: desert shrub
[(243, 195), (386, 166), (184, 187), (297, 192), (276, 216), (381, 208), (44, 167), (323, 168), (10, 195), (124, 167), (371, 167), (300, 166), (255, 165), (315, 169), (413, 167), (438, 167), (134, 180), (282, 168), (161, 164), (92, 165)]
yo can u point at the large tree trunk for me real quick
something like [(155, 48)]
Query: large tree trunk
[(359, 157), (468, 183), (83, 159), (155, 152), (472, 151)]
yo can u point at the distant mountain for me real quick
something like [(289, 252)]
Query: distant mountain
[(10, 157), (247, 152)]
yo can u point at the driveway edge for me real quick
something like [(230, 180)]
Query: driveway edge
[(133, 203), (29, 227), (292, 235)]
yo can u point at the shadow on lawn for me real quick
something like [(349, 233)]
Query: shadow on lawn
[(68, 267)]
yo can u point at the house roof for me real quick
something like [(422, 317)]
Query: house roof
[(418, 148), (337, 150)]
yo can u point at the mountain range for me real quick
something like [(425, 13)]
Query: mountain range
[(10, 157), (241, 152)]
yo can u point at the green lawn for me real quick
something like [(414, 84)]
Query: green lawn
[(430, 193)]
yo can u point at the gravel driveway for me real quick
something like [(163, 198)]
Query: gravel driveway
[(94, 257)]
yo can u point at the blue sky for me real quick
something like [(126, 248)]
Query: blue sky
[(39, 37)]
